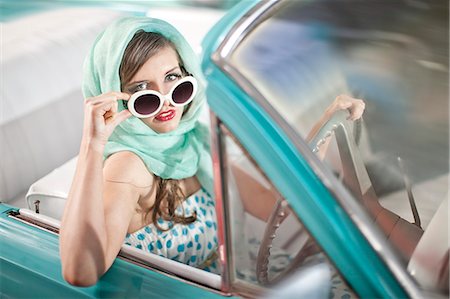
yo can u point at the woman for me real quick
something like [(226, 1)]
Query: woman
[(143, 181), (153, 189)]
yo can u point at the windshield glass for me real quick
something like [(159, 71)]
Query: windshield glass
[(395, 161)]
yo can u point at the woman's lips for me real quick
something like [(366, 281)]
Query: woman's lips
[(166, 115)]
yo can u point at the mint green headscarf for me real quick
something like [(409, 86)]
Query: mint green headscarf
[(178, 154)]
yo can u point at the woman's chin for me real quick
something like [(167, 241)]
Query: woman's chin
[(164, 128)]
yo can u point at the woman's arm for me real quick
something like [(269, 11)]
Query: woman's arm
[(88, 244), (259, 200), (342, 102)]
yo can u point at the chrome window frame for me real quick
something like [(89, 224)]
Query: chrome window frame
[(219, 157), (221, 57), (223, 230)]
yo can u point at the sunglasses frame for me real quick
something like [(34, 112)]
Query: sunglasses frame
[(162, 98)]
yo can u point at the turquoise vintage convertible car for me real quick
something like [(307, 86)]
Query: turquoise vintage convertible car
[(369, 219)]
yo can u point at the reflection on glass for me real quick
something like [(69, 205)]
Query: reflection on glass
[(309, 52), (268, 242)]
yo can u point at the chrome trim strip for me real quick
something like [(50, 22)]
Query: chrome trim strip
[(241, 28), (219, 181), (360, 217), (171, 268), (31, 221), (52, 222)]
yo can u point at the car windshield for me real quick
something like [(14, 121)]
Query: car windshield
[(395, 161)]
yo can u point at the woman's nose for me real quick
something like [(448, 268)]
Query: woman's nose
[(166, 102), (160, 87), (162, 90)]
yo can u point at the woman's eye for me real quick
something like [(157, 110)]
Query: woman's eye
[(140, 86), (173, 77)]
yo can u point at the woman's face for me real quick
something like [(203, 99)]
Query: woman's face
[(160, 72)]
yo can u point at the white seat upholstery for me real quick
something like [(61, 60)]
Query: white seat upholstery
[(429, 263), (41, 101), (49, 193)]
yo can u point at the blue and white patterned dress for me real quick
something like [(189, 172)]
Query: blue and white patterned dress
[(194, 244)]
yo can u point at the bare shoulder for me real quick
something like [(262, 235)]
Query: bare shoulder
[(127, 167)]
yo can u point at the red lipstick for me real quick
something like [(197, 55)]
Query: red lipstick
[(166, 115)]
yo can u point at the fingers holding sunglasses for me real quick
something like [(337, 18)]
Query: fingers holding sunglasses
[(102, 116), (113, 96), (120, 117), (104, 106)]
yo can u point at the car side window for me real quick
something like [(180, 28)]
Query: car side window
[(395, 161), (267, 243)]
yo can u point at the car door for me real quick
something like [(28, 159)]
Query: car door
[(272, 71)]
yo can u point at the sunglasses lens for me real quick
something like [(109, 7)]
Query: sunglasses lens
[(146, 104), (183, 92)]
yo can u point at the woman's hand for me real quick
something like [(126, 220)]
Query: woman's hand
[(354, 106), (101, 117), (342, 102)]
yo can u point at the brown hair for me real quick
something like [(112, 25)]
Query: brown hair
[(169, 195)]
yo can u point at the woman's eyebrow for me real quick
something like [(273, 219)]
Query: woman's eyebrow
[(146, 81), (172, 69), (136, 83)]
